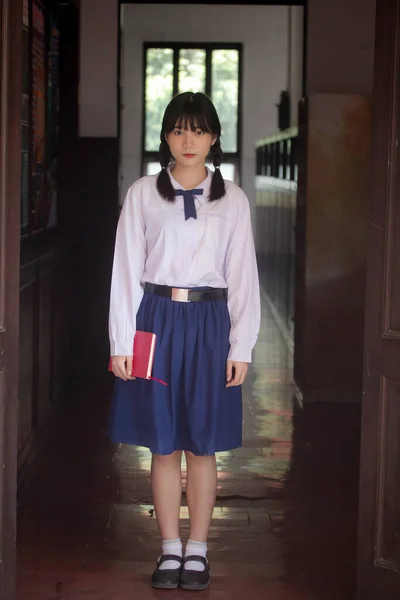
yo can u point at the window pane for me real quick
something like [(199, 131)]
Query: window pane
[(192, 70), (225, 93), (228, 171), (159, 88), (152, 168)]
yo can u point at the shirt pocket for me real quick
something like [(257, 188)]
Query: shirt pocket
[(217, 230)]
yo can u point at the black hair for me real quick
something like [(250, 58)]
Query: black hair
[(194, 111)]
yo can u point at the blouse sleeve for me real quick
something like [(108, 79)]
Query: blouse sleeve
[(243, 286), (129, 262)]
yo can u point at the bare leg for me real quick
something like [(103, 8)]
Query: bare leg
[(167, 491), (201, 491)]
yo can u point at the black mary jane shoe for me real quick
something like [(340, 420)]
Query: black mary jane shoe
[(195, 580), (167, 579)]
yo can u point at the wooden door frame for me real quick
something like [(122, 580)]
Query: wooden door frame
[(10, 173), (385, 124)]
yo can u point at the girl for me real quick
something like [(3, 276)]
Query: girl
[(184, 269)]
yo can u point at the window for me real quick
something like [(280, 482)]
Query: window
[(170, 69)]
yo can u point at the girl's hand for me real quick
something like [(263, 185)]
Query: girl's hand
[(122, 367), (235, 373)]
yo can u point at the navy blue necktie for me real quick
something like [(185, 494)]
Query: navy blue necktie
[(188, 199)]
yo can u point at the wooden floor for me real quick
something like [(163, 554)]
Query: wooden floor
[(284, 525)]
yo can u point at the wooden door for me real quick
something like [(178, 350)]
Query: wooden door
[(10, 161), (379, 523)]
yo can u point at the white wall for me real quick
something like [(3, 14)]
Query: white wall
[(262, 29), (296, 28), (98, 68)]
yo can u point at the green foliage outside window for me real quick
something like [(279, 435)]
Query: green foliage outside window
[(192, 76), (159, 88)]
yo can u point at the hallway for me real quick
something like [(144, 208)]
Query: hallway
[(284, 525)]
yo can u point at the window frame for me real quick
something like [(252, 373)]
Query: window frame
[(229, 157)]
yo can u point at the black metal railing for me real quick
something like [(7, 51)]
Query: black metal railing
[(276, 155), (276, 184)]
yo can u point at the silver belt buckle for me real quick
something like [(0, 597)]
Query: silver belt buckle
[(180, 295)]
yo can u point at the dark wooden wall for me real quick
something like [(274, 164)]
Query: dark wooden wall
[(65, 271), (331, 246), (98, 200), (45, 341)]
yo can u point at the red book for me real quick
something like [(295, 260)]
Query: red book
[(144, 346), (143, 355)]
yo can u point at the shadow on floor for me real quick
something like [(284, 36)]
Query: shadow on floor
[(285, 521)]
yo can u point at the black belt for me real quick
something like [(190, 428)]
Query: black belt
[(184, 295)]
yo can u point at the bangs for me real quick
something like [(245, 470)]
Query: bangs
[(191, 111), (192, 121)]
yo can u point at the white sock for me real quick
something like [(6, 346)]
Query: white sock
[(195, 549), (171, 547)]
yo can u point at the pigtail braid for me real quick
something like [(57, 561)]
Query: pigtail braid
[(217, 189), (164, 185)]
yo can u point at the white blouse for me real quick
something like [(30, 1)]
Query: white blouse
[(155, 244)]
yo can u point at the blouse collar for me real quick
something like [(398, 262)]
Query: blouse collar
[(204, 185)]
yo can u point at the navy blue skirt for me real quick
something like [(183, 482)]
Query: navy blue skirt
[(195, 411)]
